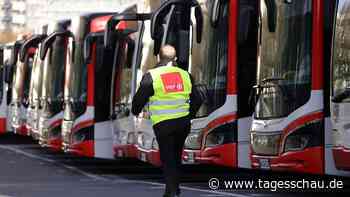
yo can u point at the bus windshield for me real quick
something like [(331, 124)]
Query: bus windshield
[(209, 60), (341, 53), (284, 66), (55, 73)]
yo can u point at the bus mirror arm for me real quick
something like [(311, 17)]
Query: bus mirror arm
[(109, 33), (14, 52), (87, 49), (110, 29), (50, 39), (34, 41), (8, 70), (159, 15)]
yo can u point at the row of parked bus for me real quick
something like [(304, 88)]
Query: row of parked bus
[(274, 76)]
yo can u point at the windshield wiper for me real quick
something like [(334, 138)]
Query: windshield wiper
[(272, 79), (341, 96), (267, 83)]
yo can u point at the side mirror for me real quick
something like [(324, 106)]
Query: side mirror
[(51, 38), (8, 70), (34, 41), (89, 39), (158, 16), (109, 35), (271, 14), (14, 52)]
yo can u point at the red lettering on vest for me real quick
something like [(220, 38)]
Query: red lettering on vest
[(172, 82)]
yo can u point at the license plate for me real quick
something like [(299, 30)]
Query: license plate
[(190, 158), (120, 153), (143, 157), (264, 164)]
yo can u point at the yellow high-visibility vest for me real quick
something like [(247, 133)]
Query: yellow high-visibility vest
[(172, 88)]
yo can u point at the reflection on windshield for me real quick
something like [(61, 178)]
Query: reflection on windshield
[(209, 61), (341, 53), (23, 73), (36, 83), (284, 55), (55, 73), (76, 76)]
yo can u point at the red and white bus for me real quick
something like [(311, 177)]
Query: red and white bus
[(291, 130), (3, 93), (164, 28), (22, 56), (340, 89), (220, 130), (86, 127), (53, 54), (128, 43), (223, 66), (35, 85), (8, 79)]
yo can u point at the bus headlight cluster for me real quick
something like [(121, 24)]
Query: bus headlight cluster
[(224, 134), (193, 141), (214, 139), (43, 126), (35, 118), (266, 143), (131, 138), (296, 142), (309, 135), (66, 130)]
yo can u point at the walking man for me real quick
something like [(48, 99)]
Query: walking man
[(173, 101)]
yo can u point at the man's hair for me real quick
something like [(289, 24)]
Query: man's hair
[(167, 54)]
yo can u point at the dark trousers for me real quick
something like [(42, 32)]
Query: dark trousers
[(171, 136)]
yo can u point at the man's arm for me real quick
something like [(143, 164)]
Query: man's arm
[(143, 94), (196, 99)]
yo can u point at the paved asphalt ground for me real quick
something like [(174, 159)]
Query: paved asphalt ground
[(27, 170)]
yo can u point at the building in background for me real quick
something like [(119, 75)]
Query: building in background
[(19, 16)]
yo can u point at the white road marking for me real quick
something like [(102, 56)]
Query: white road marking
[(100, 178), (71, 168)]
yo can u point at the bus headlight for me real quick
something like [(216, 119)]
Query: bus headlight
[(43, 123), (224, 134), (296, 142), (193, 141), (131, 138), (308, 135), (214, 139)]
